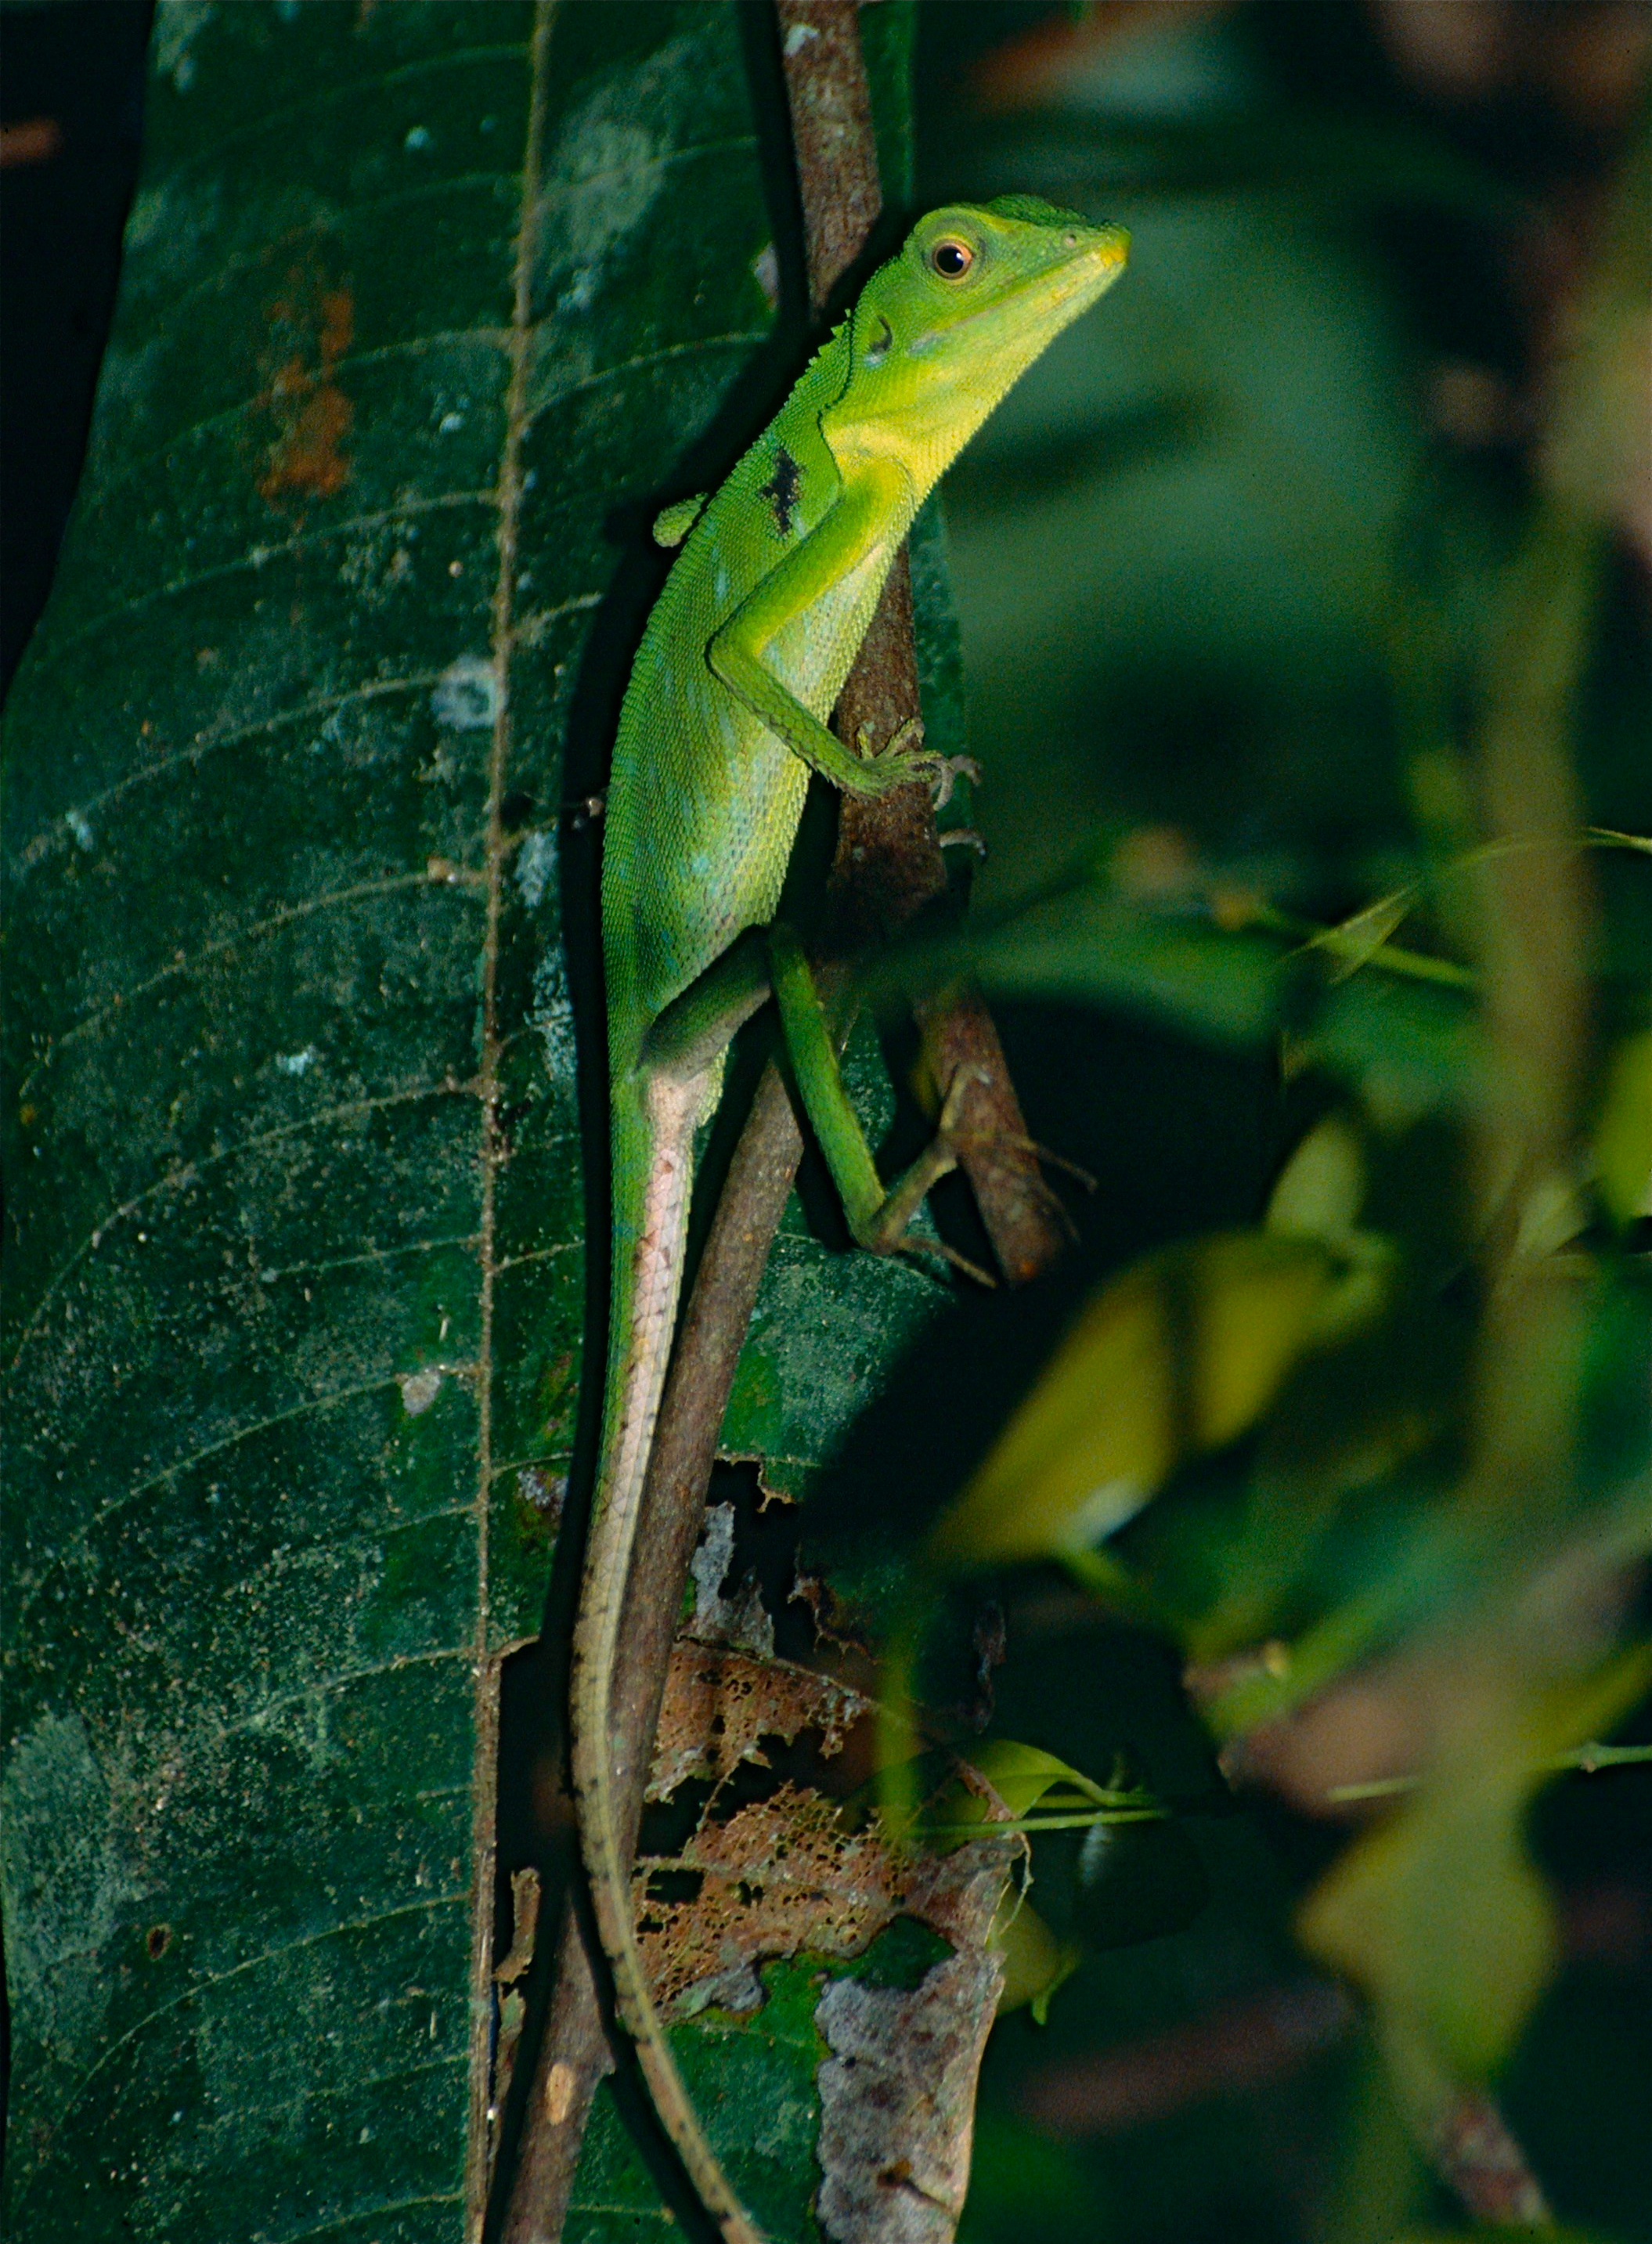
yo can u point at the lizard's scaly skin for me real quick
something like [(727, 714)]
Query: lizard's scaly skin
[(702, 813)]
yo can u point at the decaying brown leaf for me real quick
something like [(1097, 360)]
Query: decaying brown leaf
[(789, 1873), (720, 1706), (897, 2100), (776, 1878)]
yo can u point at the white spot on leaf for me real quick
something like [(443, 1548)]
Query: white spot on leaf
[(536, 865), (466, 696), (419, 1390), (551, 1014)]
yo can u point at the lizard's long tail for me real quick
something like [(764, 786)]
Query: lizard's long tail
[(652, 1150)]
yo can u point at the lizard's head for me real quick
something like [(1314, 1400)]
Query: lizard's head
[(940, 333)]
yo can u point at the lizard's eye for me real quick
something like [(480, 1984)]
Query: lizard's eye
[(950, 258)]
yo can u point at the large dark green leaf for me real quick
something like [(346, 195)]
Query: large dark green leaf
[(424, 306)]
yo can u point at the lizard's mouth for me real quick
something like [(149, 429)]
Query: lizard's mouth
[(1108, 255), (1098, 265)]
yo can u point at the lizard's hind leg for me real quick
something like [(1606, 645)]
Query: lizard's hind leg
[(695, 1029), (878, 1216)]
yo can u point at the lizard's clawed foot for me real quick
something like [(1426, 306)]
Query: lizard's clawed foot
[(950, 1254), (892, 1236), (947, 773), (904, 743), (902, 757)]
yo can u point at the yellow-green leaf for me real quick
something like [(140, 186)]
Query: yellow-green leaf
[(1623, 1135), (1022, 1774), (1321, 1187), (1182, 1353), (1438, 1913), (1354, 941), (1036, 1963)]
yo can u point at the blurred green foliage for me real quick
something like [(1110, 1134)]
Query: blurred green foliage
[(1304, 595)]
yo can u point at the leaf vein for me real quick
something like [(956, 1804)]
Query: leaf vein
[(279, 123), (253, 931), (116, 1505), (471, 1239), (197, 1986), (411, 346), (734, 339), (57, 838), (175, 1179), (338, 2223), (260, 557)]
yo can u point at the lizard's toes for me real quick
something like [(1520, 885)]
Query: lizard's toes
[(948, 770)]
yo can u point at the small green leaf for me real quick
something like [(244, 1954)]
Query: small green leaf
[(1180, 1354), (1623, 1133), (1322, 1186), (1022, 1776), (1036, 1963), (1354, 941)]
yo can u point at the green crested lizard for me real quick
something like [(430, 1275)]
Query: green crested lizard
[(724, 718)]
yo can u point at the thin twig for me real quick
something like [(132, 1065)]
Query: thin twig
[(1476, 2154), (1587, 1761)]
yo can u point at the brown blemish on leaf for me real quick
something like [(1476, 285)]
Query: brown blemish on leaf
[(790, 1872), (312, 327)]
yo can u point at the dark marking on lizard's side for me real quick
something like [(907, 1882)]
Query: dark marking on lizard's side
[(783, 488)]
